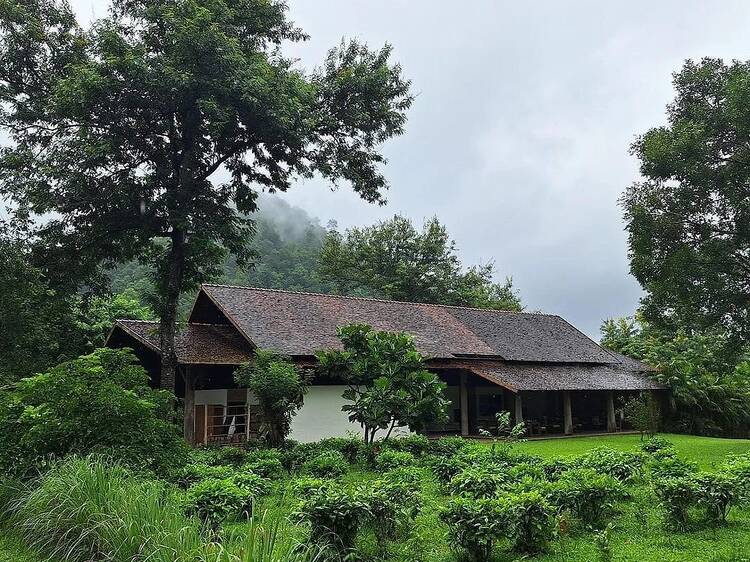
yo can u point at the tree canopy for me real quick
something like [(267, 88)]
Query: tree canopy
[(394, 260), (689, 219), (119, 131)]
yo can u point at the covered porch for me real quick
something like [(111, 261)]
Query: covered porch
[(476, 397)]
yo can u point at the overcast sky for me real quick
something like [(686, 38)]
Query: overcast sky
[(518, 138)]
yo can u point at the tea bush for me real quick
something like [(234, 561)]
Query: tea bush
[(621, 465), (716, 493), (738, 466), (587, 494), (390, 459), (417, 445), (392, 504), (334, 514), (328, 464), (265, 463), (532, 521), (478, 483), (475, 525), (446, 468), (676, 495), (214, 500), (350, 447), (222, 456), (663, 467), (447, 446), (656, 444)]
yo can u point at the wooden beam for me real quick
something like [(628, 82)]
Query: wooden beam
[(519, 408), (611, 422), (464, 406), (567, 413), (188, 428)]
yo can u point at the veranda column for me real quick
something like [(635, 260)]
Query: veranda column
[(188, 428), (464, 406), (611, 422), (519, 408), (567, 413)]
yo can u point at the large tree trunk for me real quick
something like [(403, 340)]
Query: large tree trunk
[(168, 320)]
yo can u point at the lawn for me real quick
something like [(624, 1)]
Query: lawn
[(706, 451)]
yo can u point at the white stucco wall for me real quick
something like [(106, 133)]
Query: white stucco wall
[(319, 417)]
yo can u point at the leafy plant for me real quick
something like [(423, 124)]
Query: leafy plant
[(532, 522), (390, 459), (334, 513), (327, 464), (279, 387), (478, 482), (214, 500), (417, 445), (388, 384), (392, 504), (656, 445), (475, 525), (588, 494), (603, 542), (676, 495), (446, 467), (716, 493), (265, 463), (621, 465), (447, 446)]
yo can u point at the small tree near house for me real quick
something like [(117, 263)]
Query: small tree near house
[(388, 383), (279, 387)]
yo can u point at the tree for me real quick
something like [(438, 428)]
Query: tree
[(388, 383), (96, 403), (393, 260), (98, 314), (120, 129), (643, 414), (710, 394), (37, 324), (279, 387), (688, 218)]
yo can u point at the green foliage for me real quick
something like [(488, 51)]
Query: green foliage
[(447, 446), (446, 467), (279, 387), (588, 494), (716, 494), (656, 445), (388, 383), (738, 467), (710, 387), (393, 504), (621, 465), (97, 315), (327, 464), (96, 403), (668, 466), (389, 460), (334, 513), (219, 456), (475, 525), (533, 523), (479, 482), (350, 447), (642, 412), (215, 500), (603, 542), (37, 325), (393, 260), (265, 463), (686, 220), (417, 445), (676, 496)]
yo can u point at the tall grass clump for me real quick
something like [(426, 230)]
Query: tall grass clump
[(92, 509)]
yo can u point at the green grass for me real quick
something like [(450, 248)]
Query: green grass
[(706, 451), (13, 550)]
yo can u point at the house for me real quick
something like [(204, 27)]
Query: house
[(538, 366)]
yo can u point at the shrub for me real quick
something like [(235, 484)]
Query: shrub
[(478, 483), (265, 463), (670, 467), (475, 525), (417, 445), (293, 457), (676, 496), (328, 464), (222, 456), (335, 514), (195, 472), (621, 465), (533, 523), (556, 467), (347, 446), (253, 484), (392, 504), (447, 446), (716, 493), (277, 384), (390, 459), (588, 495), (738, 467), (656, 444), (214, 500), (98, 403), (527, 471), (410, 475), (445, 468)]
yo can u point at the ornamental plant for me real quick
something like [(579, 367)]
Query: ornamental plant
[(587, 494), (279, 387)]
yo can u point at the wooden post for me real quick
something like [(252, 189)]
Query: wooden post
[(464, 406), (567, 413), (519, 408), (188, 428), (611, 422)]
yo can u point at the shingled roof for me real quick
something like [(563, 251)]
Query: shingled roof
[(194, 343), (303, 323)]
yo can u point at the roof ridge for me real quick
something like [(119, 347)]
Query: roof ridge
[(374, 299)]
